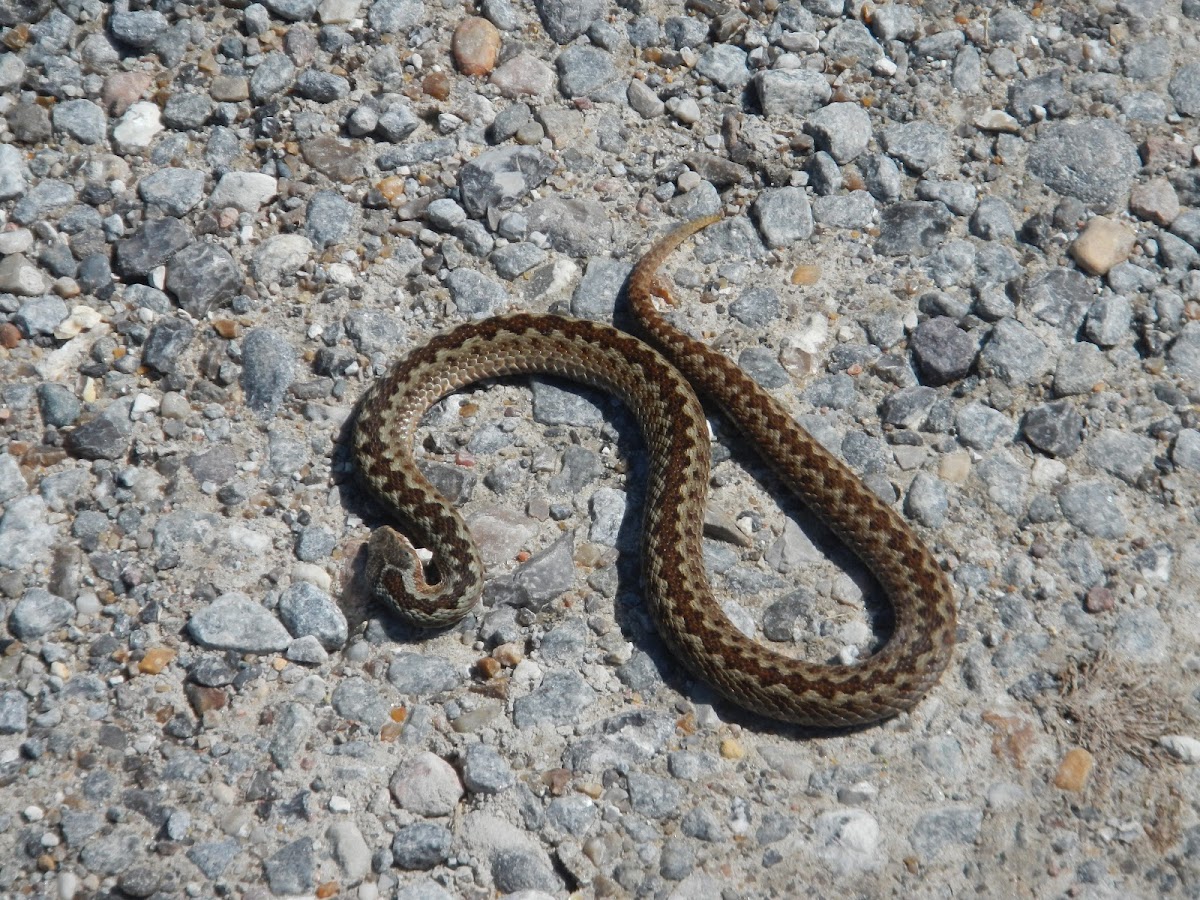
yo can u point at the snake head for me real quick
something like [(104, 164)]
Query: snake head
[(393, 569), (397, 579)]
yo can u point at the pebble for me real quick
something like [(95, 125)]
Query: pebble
[(912, 228), (268, 367), (843, 130), (849, 841), (1102, 245), (422, 676), (305, 610), (21, 277), (1092, 160), (1054, 428), (1184, 748), (1092, 508), (783, 216), (1014, 353), (38, 613), (485, 771), (426, 785), (1074, 770), (944, 352), (233, 621), (559, 698)]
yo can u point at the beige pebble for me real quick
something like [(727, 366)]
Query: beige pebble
[(1103, 244), (229, 89), (1155, 201), (955, 467), (732, 749), (476, 45), (155, 660), (1074, 770)]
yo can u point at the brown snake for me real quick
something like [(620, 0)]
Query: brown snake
[(676, 434)]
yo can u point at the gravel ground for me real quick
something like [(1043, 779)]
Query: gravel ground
[(963, 248)]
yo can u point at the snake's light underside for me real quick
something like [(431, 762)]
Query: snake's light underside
[(657, 385)]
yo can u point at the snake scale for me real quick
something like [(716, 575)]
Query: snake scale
[(657, 385)]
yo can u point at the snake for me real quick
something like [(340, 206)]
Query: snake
[(659, 384)]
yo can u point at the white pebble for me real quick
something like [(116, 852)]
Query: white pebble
[(1183, 748)]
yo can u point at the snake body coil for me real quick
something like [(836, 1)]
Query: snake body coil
[(661, 396)]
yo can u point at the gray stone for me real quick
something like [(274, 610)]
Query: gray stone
[(422, 675), (235, 622), (1042, 93), (1185, 90), (357, 700), (576, 227), (558, 700), (936, 831), (926, 500), (43, 201), (912, 228), (522, 870), (1094, 161), (654, 797), (14, 712), (783, 216), (1091, 507), (187, 111), (82, 120), (756, 307), (426, 785), (329, 218), (280, 258), (322, 87), (1108, 320), (565, 20), (168, 340), (1186, 452), (849, 41), (993, 220), (293, 726), (586, 71), (107, 436), (112, 853), (943, 351), (1121, 454), (514, 260), (843, 130), (172, 190), (41, 315), (724, 65), (268, 368), (271, 77), (881, 177), (38, 613), (421, 845), (292, 868), (761, 364), (979, 426), (959, 197), (1014, 354), (305, 609), (1054, 428), (151, 246), (791, 92), (213, 857), (853, 210), (485, 771), (919, 145)]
